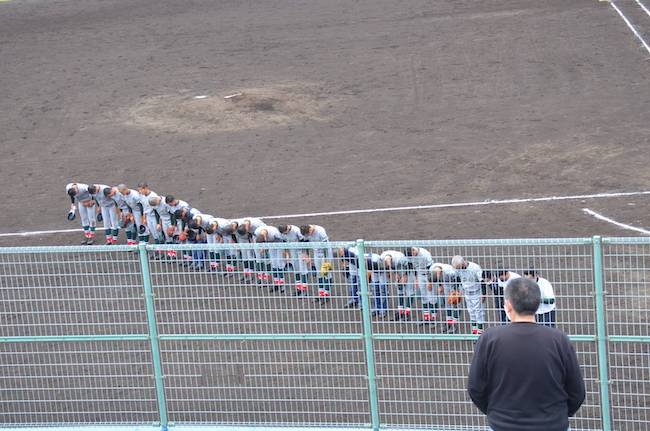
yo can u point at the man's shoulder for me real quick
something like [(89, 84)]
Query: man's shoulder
[(525, 329)]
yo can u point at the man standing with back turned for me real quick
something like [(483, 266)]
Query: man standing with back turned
[(525, 376)]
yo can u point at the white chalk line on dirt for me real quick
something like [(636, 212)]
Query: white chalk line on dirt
[(405, 208), (614, 222), (645, 9), (464, 204), (629, 24)]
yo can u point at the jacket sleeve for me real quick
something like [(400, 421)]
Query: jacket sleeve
[(477, 381), (574, 384)]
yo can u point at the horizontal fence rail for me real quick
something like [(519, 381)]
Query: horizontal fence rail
[(304, 334)]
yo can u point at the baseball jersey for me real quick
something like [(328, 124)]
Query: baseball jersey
[(422, 261), (319, 235), (133, 199), (470, 277), (221, 224), (82, 192), (144, 200), (120, 201), (293, 234), (448, 271), (273, 234), (398, 260), (163, 209), (547, 293), (179, 204), (255, 223), (104, 201), (204, 220)]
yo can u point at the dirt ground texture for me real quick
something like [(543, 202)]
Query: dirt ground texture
[(377, 104), (338, 105)]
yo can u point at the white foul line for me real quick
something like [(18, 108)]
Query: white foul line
[(614, 222), (39, 232), (464, 204), (645, 9), (636, 33), (407, 208)]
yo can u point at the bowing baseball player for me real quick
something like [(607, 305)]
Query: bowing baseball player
[(83, 202), (273, 258), (443, 280), (110, 214), (396, 266), (291, 233), (420, 261), (470, 276), (322, 259)]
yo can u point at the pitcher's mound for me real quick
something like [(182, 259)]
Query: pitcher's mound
[(247, 108)]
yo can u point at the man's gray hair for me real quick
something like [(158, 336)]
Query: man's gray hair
[(524, 295)]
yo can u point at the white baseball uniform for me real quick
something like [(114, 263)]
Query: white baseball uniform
[(470, 282)]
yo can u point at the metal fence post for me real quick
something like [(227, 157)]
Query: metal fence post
[(153, 336), (367, 335), (601, 333)]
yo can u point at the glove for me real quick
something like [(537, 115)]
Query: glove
[(325, 268), (142, 229), (454, 297), (72, 215), (100, 217)]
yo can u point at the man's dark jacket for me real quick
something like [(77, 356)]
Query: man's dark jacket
[(526, 377)]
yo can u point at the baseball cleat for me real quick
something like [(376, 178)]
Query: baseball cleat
[(90, 241)]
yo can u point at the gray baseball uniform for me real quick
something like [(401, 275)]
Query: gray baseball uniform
[(108, 208), (87, 215), (150, 215), (470, 281)]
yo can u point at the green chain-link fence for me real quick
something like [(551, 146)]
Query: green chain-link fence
[(183, 336)]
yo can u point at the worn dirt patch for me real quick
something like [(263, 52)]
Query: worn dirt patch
[(230, 110)]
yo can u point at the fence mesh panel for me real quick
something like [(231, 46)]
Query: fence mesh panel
[(261, 378), (567, 266), (266, 382), (266, 335), (626, 264), (75, 292), (422, 382), (64, 294)]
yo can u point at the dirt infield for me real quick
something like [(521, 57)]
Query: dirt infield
[(390, 104), (344, 105)]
